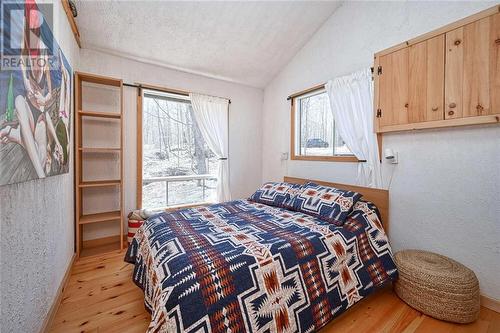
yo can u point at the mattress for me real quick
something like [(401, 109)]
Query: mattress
[(241, 266)]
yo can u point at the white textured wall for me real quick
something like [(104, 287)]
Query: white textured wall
[(245, 121), (444, 192), (37, 231), (444, 197)]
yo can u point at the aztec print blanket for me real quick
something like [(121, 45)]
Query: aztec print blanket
[(241, 266)]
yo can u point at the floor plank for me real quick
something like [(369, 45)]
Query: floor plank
[(101, 297)]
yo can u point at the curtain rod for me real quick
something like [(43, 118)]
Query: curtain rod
[(140, 86), (316, 87), (305, 91)]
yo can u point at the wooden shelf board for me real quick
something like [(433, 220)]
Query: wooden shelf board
[(465, 121), (111, 115), (100, 217), (99, 150), (100, 183), (100, 249)]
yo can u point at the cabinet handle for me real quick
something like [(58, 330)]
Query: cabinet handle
[(479, 108), (451, 113), (452, 105), (457, 42), (435, 108), (406, 105), (497, 41)]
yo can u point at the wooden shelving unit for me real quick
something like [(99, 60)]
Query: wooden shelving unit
[(88, 179)]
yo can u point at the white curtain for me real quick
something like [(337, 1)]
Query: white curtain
[(211, 114), (351, 101)]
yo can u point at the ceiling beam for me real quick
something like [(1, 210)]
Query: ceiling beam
[(72, 22)]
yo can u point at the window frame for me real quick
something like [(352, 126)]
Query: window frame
[(143, 89), (293, 120)]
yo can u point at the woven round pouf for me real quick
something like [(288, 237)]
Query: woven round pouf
[(437, 286)]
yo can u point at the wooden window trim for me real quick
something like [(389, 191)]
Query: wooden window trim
[(351, 159), (138, 192), (293, 156)]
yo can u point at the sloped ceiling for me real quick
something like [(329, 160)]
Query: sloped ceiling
[(245, 42)]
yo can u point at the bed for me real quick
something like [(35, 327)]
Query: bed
[(242, 266)]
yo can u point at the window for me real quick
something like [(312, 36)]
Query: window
[(177, 166), (313, 130)]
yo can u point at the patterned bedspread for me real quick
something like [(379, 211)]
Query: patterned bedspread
[(241, 266)]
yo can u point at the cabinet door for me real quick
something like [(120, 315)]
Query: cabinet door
[(393, 88), (426, 80), (476, 87), (473, 69)]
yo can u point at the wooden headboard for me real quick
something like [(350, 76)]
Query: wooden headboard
[(378, 196)]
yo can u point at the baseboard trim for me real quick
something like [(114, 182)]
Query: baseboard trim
[(47, 323), (490, 303)]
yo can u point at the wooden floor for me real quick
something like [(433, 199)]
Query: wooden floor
[(101, 297)]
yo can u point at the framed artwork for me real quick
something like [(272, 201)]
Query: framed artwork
[(35, 96)]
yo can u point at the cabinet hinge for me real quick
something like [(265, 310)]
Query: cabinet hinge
[(379, 70), (379, 113)]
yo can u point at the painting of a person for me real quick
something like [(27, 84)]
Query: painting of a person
[(40, 121)]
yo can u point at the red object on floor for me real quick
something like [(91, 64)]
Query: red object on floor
[(133, 225)]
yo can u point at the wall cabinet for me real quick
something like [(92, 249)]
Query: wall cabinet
[(448, 77)]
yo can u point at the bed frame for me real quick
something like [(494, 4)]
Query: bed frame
[(379, 197)]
